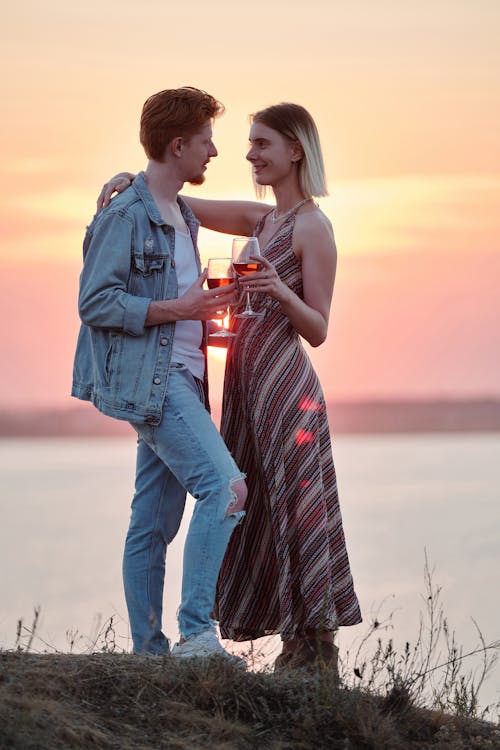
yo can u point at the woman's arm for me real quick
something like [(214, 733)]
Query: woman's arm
[(117, 184), (230, 217), (314, 245)]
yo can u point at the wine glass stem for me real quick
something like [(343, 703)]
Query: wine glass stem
[(249, 306)]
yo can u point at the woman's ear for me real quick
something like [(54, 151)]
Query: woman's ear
[(297, 152)]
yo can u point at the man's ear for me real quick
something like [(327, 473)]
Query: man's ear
[(176, 146)]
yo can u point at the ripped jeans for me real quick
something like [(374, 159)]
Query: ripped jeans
[(185, 452)]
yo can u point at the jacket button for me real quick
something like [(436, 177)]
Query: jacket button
[(164, 341), (157, 381), (150, 419)]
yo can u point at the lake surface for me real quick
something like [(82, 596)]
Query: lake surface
[(65, 507)]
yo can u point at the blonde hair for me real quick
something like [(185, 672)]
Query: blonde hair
[(295, 123)]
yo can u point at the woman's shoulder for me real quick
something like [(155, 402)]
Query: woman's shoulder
[(312, 222)]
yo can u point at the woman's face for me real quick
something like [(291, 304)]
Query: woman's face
[(271, 154)]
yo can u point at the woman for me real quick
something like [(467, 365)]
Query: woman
[(286, 569)]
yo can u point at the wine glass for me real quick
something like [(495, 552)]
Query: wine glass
[(243, 249), (220, 274)]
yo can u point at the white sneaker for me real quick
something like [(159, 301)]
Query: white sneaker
[(203, 645)]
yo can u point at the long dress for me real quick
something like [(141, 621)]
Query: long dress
[(286, 569)]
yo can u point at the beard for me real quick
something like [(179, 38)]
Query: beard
[(197, 180)]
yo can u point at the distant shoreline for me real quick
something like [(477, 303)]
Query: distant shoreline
[(354, 417)]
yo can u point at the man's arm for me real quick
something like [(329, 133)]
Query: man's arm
[(195, 304), (105, 303)]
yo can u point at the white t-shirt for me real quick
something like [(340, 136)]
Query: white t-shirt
[(188, 333)]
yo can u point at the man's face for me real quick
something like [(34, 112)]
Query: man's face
[(197, 152)]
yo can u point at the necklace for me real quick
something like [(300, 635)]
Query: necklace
[(278, 217)]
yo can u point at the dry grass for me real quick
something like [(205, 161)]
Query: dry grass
[(423, 696), (104, 701), (432, 671)]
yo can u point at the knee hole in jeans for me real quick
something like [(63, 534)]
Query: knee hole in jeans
[(239, 494)]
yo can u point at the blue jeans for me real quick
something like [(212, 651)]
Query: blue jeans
[(185, 452)]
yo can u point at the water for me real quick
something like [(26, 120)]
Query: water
[(65, 506)]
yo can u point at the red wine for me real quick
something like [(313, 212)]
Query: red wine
[(242, 269), (216, 283)]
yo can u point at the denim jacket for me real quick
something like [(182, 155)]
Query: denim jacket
[(120, 365)]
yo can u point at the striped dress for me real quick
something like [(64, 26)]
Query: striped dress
[(286, 569)]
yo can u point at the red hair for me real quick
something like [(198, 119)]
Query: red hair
[(172, 113)]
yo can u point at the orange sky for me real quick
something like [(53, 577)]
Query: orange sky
[(407, 103)]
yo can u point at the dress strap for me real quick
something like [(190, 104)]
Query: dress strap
[(260, 223)]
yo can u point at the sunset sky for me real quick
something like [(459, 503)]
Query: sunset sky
[(406, 97)]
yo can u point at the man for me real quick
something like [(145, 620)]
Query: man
[(141, 357)]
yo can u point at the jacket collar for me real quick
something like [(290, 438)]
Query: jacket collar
[(142, 190)]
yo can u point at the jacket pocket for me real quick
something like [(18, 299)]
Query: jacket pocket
[(110, 362), (144, 264), (148, 272)]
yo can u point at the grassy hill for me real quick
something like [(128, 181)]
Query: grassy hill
[(125, 702)]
